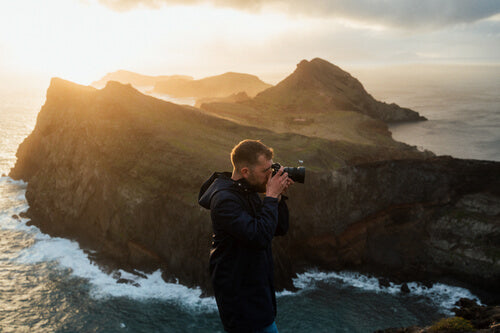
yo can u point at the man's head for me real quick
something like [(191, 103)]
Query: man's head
[(252, 160)]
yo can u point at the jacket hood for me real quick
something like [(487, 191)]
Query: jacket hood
[(220, 181)]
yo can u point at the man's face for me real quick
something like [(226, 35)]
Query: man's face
[(258, 174)]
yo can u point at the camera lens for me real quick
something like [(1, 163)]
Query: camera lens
[(297, 174)]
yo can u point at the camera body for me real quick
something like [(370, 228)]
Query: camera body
[(297, 174)]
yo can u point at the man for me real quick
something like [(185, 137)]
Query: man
[(241, 262)]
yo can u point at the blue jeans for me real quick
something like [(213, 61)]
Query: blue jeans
[(269, 329)]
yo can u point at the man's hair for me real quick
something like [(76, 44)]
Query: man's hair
[(247, 152)]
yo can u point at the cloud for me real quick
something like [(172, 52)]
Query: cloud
[(404, 14)]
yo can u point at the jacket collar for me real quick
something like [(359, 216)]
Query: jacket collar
[(219, 181), (242, 185)]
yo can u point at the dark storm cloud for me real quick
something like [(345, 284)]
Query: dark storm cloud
[(405, 14)]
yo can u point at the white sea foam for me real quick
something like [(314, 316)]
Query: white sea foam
[(12, 202), (8, 180), (443, 296), (69, 255)]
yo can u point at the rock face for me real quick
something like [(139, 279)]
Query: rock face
[(120, 172), (319, 86), (407, 219)]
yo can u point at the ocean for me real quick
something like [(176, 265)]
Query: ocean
[(49, 284), (461, 103)]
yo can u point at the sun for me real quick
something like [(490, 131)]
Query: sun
[(82, 40), (72, 39)]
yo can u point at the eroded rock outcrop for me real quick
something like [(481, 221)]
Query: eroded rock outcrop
[(120, 172)]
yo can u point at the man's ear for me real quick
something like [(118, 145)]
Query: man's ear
[(245, 171)]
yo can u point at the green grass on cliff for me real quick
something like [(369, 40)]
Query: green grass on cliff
[(454, 324), (335, 125)]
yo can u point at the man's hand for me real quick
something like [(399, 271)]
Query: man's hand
[(278, 183), (289, 182)]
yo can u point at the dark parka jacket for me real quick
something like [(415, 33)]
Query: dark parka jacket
[(241, 261)]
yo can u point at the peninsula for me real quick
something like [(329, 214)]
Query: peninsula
[(120, 171)]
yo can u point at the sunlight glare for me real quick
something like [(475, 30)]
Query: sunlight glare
[(82, 41)]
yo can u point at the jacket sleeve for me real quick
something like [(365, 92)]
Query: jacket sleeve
[(283, 215), (229, 215)]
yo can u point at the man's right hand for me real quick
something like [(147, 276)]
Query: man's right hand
[(277, 184)]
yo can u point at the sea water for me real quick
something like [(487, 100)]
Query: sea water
[(49, 284), (461, 103)]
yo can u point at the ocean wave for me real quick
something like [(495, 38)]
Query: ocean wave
[(140, 286), (8, 180), (442, 295), (12, 202)]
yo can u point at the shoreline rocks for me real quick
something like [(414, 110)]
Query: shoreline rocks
[(478, 318)]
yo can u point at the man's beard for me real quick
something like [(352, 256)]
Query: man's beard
[(259, 188)]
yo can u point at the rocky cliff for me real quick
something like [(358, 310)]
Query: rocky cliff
[(120, 171), (406, 219)]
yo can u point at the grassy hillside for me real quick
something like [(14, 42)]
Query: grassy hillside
[(318, 86)]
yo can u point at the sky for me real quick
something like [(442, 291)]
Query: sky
[(82, 40)]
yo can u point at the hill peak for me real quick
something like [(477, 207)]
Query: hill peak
[(57, 83), (316, 62), (236, 74), (60, 88), (320, 86), (115, 85), (217, 86), (320, 70)]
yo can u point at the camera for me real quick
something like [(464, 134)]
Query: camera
[(297, 174)]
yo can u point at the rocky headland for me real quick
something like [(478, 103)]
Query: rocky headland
[(218, 86), (319, 99), (120, 171), (137, 80), (227, 87), (320, 86)]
